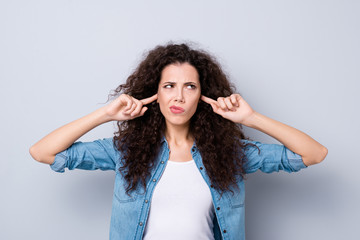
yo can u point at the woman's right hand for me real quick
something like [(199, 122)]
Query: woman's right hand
[(126, 107)]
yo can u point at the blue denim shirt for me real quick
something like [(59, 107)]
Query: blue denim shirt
[(130, 213)]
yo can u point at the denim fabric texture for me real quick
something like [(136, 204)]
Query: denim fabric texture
[(130, 213)]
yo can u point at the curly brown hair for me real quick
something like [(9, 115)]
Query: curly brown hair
[(217, 138)]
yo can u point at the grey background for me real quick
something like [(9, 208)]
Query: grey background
[(294, 61)]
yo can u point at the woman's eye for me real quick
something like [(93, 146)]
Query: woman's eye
[(191, 86)]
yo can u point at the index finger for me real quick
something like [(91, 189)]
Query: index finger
[(207, 100), (149, 99)]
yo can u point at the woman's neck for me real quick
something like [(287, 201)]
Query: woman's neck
[(178, 135)]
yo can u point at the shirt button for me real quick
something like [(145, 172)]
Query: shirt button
[(154, 180), (211, 185), (193, 149), (218, 208), (201, 168), (162, 161), (224, 231), (140, 223), (146, 201)]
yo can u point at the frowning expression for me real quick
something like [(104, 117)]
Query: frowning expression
[(179, 93)]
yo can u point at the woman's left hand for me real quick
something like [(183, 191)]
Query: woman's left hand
[(234, 108)]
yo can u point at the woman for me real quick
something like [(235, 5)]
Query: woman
[(179, 130)]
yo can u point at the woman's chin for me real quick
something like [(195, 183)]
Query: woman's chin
[(178, 122)]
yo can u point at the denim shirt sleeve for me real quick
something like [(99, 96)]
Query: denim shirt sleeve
[(99, 154), (271, 158)]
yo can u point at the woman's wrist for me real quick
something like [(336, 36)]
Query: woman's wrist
[(253, 120), (101, 116)]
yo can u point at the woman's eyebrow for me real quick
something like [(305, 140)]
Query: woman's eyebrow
[(184, 83)]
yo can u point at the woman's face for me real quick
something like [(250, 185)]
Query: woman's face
[(179, 93)]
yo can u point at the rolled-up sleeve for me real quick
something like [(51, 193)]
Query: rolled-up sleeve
[(271, 158), (99, 154)]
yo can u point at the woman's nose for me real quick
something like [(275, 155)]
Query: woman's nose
[(179, 97)]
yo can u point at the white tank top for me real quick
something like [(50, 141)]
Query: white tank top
[(181, 206)]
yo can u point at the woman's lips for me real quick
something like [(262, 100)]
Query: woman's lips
[(175, 109)]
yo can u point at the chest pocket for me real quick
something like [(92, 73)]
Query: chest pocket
[(236, 199), (120, 190)]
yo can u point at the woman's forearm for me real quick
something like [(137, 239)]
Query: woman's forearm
[(123, 108), (311, 151), (60, 139)]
